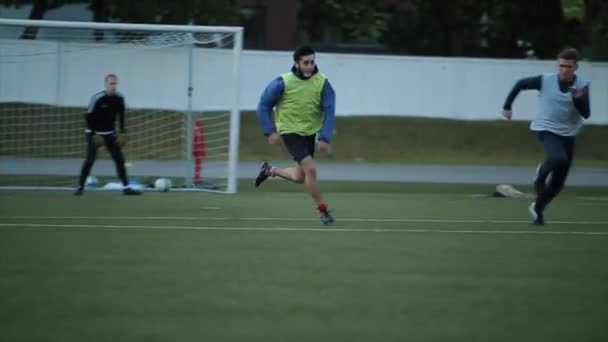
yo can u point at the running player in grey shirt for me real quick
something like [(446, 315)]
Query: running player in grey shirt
[(563, 104)]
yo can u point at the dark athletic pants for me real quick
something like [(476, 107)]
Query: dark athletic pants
[(559, 152), (115, 152)]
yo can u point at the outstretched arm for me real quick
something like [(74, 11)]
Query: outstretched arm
[(268, 100), (530, 83), (328, 104), (523, 84)]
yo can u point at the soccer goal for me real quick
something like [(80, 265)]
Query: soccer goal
[(180, 85)]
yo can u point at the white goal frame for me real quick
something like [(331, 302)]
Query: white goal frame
[(237, 32)]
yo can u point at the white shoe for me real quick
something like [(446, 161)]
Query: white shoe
[(532, 211), (537, 218)]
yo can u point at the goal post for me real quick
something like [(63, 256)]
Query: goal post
[(181, 88)]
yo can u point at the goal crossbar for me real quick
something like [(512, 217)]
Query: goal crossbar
[(120, 26)]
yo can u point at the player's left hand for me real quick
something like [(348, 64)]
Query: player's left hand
[(325, 147), (121, 139)]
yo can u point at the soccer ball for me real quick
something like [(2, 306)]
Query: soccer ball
[(91, 181), (162, 184)]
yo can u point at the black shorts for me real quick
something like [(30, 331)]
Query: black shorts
[(299, 146)]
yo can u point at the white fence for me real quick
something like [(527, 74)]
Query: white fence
[(68, 74)]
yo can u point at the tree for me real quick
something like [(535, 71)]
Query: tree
[(198, 12), (348, 21), (596, 27), (434, 27), (486, 28), (186, 12), (39, 9), (532, 28)]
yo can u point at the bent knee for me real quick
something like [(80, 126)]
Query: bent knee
[(310, 173)]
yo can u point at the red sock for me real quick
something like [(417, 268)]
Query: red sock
[(322, 207), (271, 171)]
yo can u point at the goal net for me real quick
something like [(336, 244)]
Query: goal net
[(180, 85)]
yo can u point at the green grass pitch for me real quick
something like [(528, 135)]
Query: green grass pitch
[(402, 263)]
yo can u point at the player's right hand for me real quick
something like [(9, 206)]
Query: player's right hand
[(507, 114), (274, 139), (325, 147), (97, 140)]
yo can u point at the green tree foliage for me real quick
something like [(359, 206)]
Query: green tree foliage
[(483, 28), (498, 28), (596, 28), (538, 28), (346, 21), (197, 12), (574, 9), (39, 9), (434, 27), (200, 12)]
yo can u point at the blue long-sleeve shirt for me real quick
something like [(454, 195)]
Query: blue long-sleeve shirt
[(272, 94)]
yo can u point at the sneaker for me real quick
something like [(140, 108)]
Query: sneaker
[(537, 216), (79, 191), (264, 174), (130, 192), (326, 217)]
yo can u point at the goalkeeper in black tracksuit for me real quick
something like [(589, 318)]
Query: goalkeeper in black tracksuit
[(100, 130)]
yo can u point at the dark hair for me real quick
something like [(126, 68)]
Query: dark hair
[(569, 54), (302, 51)]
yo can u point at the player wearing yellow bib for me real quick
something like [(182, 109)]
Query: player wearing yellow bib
[(304, 118)]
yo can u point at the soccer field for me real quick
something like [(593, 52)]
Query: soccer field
[(427, 264)]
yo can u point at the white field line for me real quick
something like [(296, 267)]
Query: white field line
[(288, 219), (325, 229), (596, 199)]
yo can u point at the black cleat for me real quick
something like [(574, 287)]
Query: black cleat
[(537, 217), (326, 217), (264, 174), (130, 192), (79, 191)]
